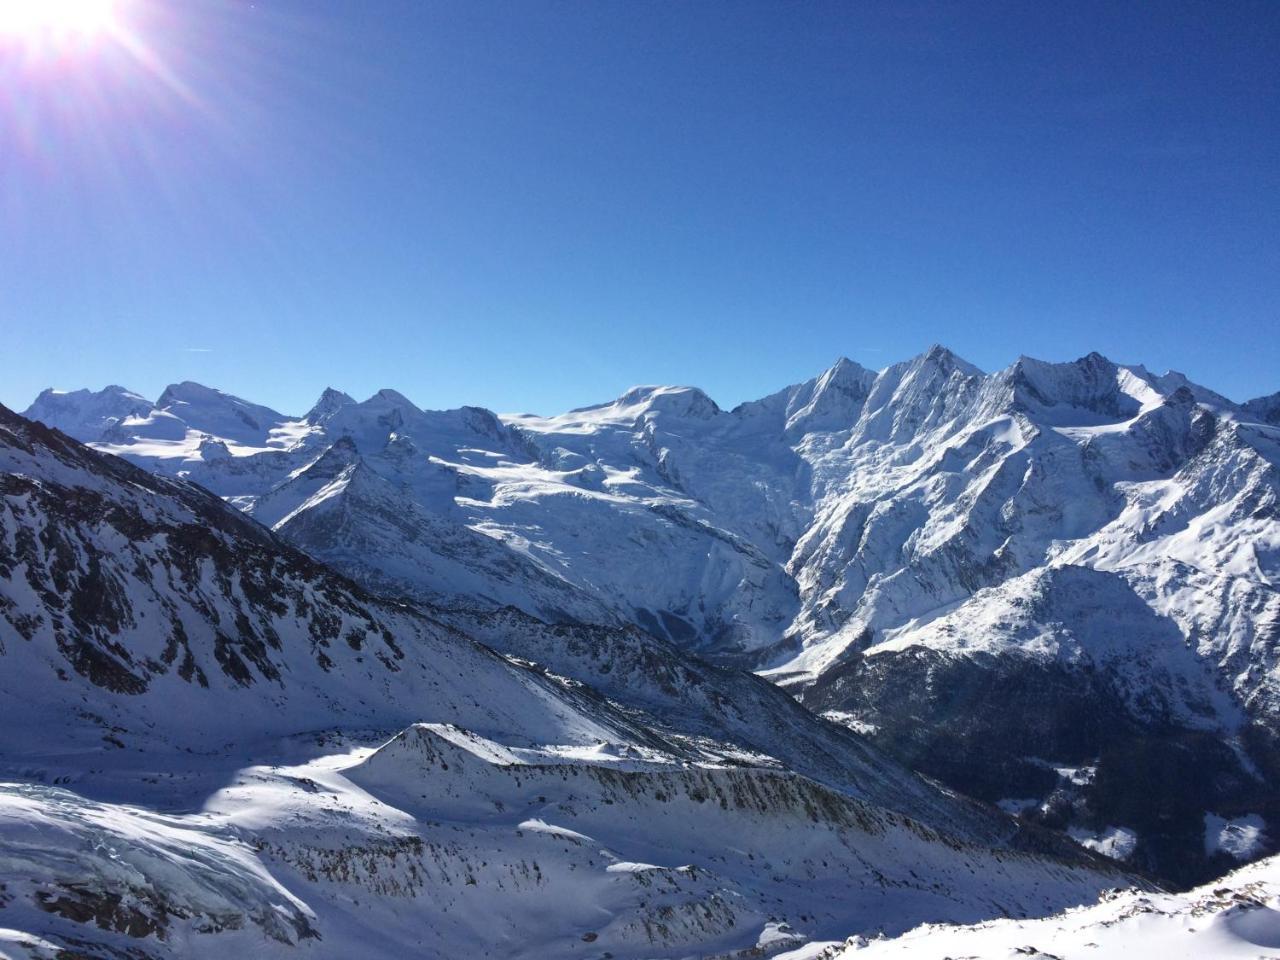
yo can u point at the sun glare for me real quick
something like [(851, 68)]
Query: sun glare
[(42, 22)]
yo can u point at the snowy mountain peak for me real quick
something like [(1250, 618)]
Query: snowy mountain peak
[(673, 401), (87, 414), (110, 391), (1087, 390), (831, 401), (1094, 390), (207, 410), (926, 372), (386, 397), (1173, 380), (933, 389), (483, 421), (845, 376), (190, 392), (371, 422), (330, 402), (947, 360)]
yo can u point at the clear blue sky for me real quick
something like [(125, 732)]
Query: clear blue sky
[(534, 205)]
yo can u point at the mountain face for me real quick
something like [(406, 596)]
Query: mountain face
[(88, 415), (996, 577), (173, 616), (1266, 409), (215, 744)]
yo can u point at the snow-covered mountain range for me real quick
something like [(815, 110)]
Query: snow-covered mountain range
[(996, 577), (213, 743)]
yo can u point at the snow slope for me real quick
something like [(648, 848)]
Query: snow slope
[(443, 843), (1235, 917)]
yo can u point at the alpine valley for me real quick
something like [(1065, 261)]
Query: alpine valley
[(878, 653)]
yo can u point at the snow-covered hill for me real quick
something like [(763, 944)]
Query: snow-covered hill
[(441, 843), (214, 744), (1235, 918), (928, 537)]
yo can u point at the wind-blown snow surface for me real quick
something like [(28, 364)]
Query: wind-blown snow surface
[(886, 544), (442, 843), (200, 757), (1235, 918)]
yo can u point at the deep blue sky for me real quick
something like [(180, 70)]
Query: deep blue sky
[(534, 205)]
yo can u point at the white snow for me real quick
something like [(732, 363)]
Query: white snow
[(1118, 843), (1242, 837), (424, 846), (1236, 917)]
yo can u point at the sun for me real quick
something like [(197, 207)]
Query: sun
[(51, 22), (71, 34)]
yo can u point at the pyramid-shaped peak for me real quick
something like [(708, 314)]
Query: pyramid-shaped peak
[(831, 401), (330, 402), (843, 369), (386, 397), (945, 360)]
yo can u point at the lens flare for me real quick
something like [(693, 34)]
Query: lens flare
[(53, 22)]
